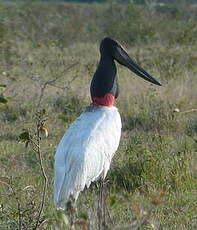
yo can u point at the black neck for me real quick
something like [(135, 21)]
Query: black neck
[(105, 78)]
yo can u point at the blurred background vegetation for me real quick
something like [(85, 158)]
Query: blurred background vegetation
[(49, 51)]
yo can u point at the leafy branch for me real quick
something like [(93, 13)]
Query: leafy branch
[(35, 141)]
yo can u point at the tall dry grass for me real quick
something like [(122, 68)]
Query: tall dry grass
[(157, 153)]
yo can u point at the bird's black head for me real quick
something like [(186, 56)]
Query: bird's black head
[(105, 78), (108, 46), (112, 48)]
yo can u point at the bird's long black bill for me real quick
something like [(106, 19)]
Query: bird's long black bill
[(123, 58), (134, 67)]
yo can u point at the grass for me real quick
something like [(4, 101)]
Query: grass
[(157, 153)]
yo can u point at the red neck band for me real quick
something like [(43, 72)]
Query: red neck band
[(107, 100)]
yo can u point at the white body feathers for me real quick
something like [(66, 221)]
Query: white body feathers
[(85, 151)]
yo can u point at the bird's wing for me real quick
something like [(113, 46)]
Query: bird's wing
[(85, 151)]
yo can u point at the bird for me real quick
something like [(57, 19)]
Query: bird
[(85, 152)]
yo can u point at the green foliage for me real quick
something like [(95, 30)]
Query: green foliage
[(146, 164), (3, 99), (159, 136), (10, 113), (69, 107), (24, 199), (67, 23)]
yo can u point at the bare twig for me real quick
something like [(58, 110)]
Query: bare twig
[(39, 122), (8, 185), (51, 83), (19, 214), (188, 111), (19, 211), (35, 140), (65, 70), (43, 84)]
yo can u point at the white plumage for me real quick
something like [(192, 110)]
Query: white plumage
[(85, 151)]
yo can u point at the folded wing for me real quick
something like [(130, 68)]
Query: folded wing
[(85, 152)]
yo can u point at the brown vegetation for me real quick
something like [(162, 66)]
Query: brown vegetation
[(48, 54)]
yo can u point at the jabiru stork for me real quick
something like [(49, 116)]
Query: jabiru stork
[(85, 151)]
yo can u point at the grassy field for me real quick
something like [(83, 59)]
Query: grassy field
[(48, 54)]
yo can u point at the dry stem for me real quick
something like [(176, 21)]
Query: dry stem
[(43, 173)]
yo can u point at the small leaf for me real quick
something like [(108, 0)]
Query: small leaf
[(25, 136), (3, 86), (26, 144), (3, 99), (43, 111)]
